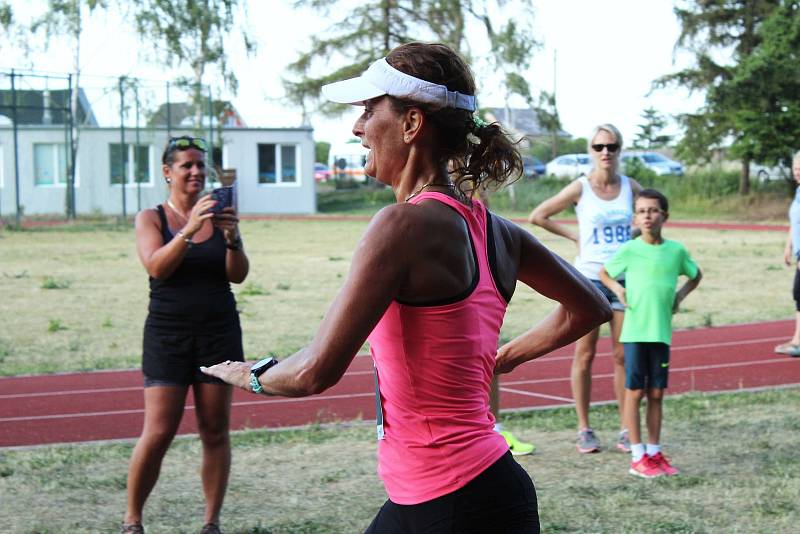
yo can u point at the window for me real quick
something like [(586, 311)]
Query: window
[(49, 164), (277, 164), (138, 163)]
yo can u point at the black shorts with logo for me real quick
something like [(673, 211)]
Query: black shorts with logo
[(646, 365)]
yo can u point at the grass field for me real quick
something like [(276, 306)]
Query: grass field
[(75, 298), (738, 453)]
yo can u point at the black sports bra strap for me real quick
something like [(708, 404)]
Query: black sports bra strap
[(162, 216)]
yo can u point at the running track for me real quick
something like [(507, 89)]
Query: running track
[(108, 404)]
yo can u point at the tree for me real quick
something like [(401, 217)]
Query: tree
[(194, 33), (6, 15), (66, 18), (713, 29), (765, 87), (372, 29), (649, 135), (547, 115), (321, 151)]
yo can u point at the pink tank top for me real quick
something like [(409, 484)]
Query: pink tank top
[(435, 365)]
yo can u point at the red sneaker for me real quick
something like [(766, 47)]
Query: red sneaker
[(646, 468), (661, 461)]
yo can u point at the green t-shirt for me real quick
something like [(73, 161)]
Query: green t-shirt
[(651, 276)]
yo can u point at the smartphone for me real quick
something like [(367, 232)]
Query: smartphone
[(224, 198)]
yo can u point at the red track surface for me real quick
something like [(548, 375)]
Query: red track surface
[(108, 405)]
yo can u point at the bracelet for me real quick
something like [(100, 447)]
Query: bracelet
[(187, 240), (235, 245)]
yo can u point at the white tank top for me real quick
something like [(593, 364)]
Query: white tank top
[(603, 226)]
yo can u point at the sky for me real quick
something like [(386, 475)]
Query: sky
[(606, 56)]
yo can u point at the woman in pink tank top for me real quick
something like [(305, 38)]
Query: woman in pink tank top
[(428, 286)]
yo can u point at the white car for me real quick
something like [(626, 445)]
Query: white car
[(661, 165), (766, 173), (569, 165)]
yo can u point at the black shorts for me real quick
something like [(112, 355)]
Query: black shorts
[(501, 500), (646, 365), (170, 359)]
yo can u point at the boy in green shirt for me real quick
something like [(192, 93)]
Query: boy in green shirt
[(652, 266)]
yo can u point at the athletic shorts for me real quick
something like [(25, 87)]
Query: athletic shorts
[(796, 289), (501, 500), (616, 305), (646, 365), (170, 359)]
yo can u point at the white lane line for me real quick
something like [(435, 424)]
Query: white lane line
[(70, 392), (108, 390), (679, 348), (271, 400), (370, 372), (276, 400), (532, 394), (672, 371)]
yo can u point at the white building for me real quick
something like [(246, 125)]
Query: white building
[(274, 169)]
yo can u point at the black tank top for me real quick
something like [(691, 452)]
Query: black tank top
[(197, 296)]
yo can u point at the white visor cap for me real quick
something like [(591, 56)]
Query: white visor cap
[(383, 79)]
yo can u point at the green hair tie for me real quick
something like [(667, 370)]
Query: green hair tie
[(479, 122)]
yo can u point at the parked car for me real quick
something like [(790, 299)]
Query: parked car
[(569, 165), (321, 172), (765, 173), (532, 167), (659, 164)]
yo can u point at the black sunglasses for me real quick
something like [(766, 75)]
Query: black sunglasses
[(612, 147), (184, 143)]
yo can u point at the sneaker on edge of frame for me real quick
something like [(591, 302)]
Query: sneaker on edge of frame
[(623, 441), (587, 442), (664, 464), (646, 467), (517, 447)]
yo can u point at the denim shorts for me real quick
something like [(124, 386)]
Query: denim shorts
[(646, 365), (616, 305)]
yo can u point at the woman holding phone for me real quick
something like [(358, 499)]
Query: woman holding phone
[(191, 254), (604, 205), (428, 287)]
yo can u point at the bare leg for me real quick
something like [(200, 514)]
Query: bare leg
[(633, 398), (581, 375), (618, 353), (213, 407), (163, 409), (655, 398), (796, 337)]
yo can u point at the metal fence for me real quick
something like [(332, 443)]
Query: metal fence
[(136, 107)]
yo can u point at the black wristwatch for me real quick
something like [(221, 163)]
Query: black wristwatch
[(258, 369)]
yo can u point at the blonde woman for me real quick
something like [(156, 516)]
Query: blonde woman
[(603, 203)]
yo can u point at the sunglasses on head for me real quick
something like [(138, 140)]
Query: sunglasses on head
[(184, 143), (612, 147)]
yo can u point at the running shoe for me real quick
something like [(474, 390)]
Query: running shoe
[(623, 441), (646, 467), (517, 447), (661, 460), (587, 442)]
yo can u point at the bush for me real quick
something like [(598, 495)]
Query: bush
[(527, 194)]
